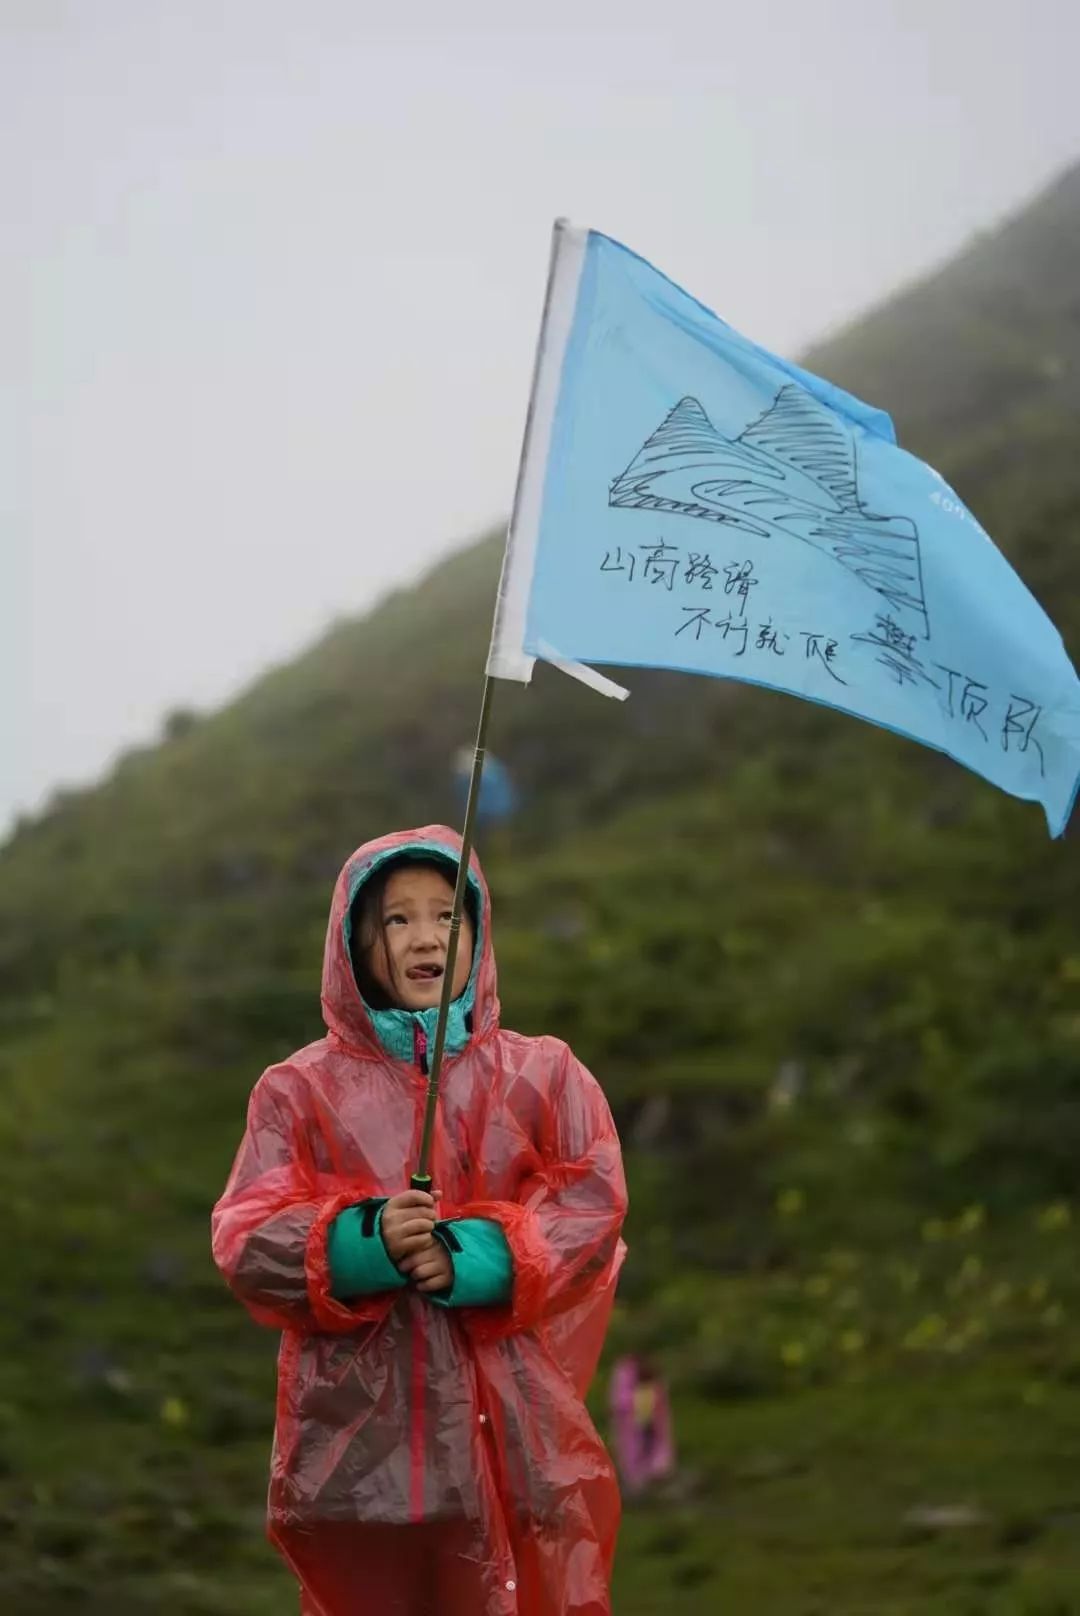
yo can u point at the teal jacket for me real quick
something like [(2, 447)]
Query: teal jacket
[(360, 1263)]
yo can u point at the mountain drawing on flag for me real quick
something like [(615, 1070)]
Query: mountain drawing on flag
[(790, 474)]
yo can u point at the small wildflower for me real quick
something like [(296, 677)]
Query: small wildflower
[(1038, 1290), (818, 1285), (924, 1334), (174, 1412), (934, 1230), (971, 1219), (1058, 1215), (852, 1342), (789, 1203), (1001, 1294), (792, 1354)]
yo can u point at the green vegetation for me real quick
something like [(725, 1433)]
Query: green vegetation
[(831, 984)]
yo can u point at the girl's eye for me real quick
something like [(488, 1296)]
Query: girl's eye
[(447, 915), (395, 920)]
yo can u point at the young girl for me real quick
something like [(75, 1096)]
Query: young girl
[(432, 1451)]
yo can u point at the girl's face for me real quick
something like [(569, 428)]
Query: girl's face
[(408, 955)]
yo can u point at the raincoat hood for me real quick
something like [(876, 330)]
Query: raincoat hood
[(346, 1015)]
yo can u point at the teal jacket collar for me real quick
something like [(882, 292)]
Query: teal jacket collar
[(404, 1033), (398, 1030)]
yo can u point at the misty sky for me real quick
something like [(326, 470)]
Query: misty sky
[(271, 280)]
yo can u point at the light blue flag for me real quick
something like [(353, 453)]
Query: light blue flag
[(688, 500)]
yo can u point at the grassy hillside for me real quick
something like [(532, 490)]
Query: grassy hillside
[(830, 982)]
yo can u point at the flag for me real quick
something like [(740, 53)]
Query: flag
[(688, 500)]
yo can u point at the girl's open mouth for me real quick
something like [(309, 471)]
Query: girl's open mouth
[(424, 973)]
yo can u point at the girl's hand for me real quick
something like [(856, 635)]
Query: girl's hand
[(431, 1269), (407, 1222)]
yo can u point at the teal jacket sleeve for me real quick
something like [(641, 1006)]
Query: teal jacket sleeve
[(483, 1267), (359, 1262)]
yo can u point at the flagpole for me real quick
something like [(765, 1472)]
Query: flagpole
[(421, 1179)]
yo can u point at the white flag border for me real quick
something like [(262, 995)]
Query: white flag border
[(507, 657)]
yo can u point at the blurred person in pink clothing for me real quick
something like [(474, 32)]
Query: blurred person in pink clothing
[(641, 1424)]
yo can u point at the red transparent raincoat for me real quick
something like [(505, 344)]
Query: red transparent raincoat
[(426, 1458)]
